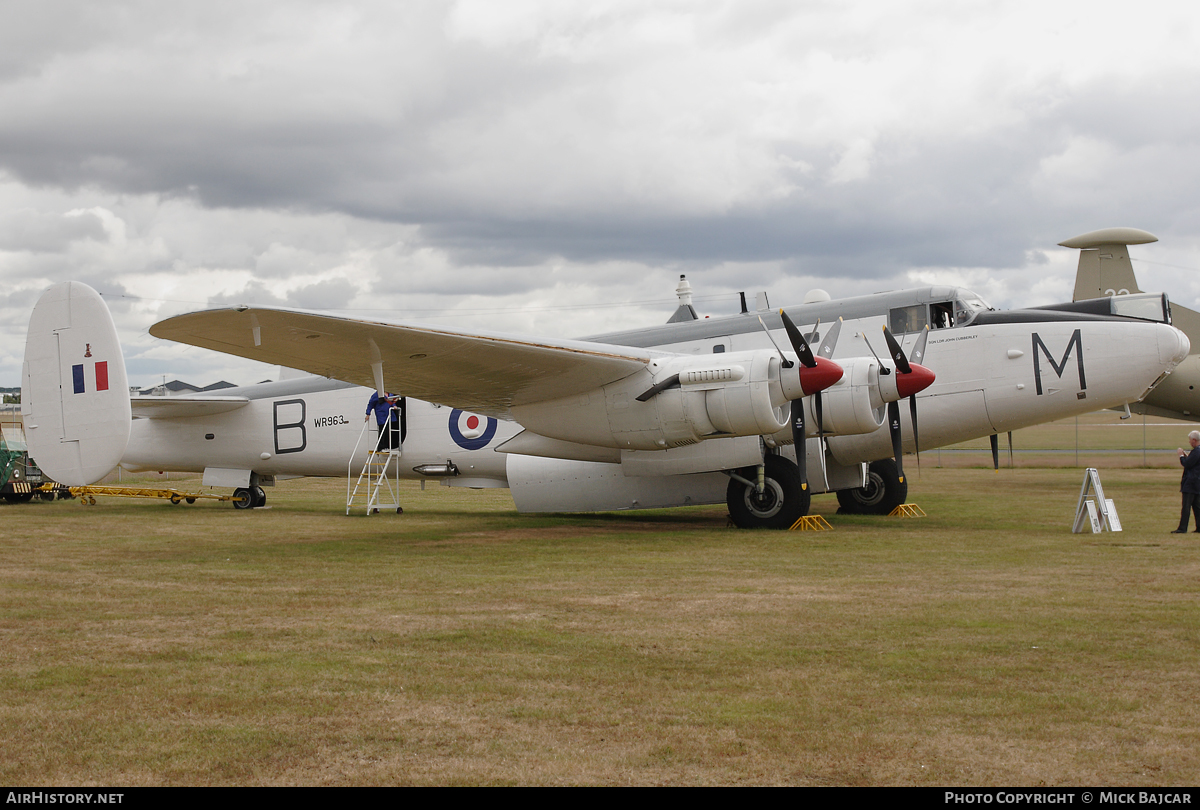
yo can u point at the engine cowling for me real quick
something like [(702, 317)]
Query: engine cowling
[(692, 399), (854, 404)]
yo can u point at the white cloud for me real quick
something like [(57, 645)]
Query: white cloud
[(445, 161)]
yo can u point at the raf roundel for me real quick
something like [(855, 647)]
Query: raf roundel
[(470, 431)]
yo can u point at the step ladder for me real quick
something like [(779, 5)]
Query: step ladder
[(378, 483)]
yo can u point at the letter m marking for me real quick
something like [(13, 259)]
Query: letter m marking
[(1039, 348)]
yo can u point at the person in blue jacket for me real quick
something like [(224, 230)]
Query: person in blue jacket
[(1190, 485), (391, 422)]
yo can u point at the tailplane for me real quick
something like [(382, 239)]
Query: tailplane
[(74, 391)]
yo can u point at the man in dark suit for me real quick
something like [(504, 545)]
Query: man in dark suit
[(1190, 485)]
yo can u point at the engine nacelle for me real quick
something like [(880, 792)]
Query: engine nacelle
[(677, 401), (852, 406)]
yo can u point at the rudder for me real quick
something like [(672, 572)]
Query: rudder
[(74, 390)]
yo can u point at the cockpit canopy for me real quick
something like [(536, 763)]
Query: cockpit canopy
[(1143, 306), (957, 311)]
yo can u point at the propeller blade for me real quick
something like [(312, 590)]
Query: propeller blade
[(1010, 452), (824, 467), (896, 352), (782, 357), (799, 344), (884, 370), (916, 357), (912, 412), (894, 429), (798, 440), (995, 452), (825, 351), (830, 341), (918, 353), (911, 378)]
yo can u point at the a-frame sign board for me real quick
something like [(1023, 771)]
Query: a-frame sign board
[(1094, 507)]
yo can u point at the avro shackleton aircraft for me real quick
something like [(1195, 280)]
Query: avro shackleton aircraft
[(696, 411)]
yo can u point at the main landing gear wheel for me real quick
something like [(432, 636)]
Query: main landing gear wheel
[(251, 498), (883, 493), (781, 502)]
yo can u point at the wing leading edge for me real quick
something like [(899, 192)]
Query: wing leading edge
[(486, 373)]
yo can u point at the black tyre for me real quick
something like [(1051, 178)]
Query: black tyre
[(883, 493), (243, 498), (260, 497), (779, 506)]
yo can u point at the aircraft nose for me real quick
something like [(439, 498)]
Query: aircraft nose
[(1173, 345), (824, 374), (917, 380)]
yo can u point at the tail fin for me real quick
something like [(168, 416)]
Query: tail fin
[(74, 391), (1104, 266)]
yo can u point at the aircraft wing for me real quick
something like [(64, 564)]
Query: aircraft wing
[(486, 373), (172, 407)]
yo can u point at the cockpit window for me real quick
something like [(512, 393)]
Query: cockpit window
[(943, 315), (966, 308), (1147, 306)]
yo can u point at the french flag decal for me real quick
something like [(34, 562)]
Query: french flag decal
[(101, 377)]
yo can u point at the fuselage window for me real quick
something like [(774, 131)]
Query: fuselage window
[(719, 348), (907, 319)]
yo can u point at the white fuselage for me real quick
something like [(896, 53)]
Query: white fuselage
[(311, 426), (991, 377)]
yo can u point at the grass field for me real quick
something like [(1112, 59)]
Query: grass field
[(460, 643), (1101, 439)]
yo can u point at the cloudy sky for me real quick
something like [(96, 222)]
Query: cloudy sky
[(552, 167)]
